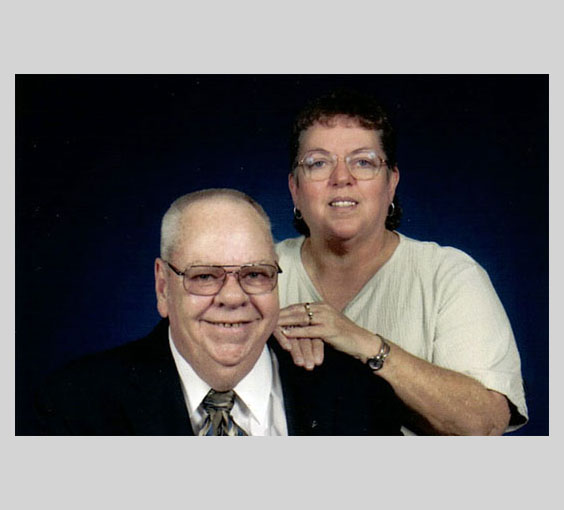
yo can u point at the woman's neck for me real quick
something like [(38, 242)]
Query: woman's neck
[(339, 270), (328, 254)]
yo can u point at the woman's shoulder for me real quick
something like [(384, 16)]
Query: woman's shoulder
[(430, 254), (289, 247)]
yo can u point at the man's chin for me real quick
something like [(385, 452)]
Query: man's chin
[(231, 355), (236, 357), (230, 365)]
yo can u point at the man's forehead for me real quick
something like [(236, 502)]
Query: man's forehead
[(216, 211), (227, 223)]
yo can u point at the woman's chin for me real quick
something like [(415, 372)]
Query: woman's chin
[(342, 232)]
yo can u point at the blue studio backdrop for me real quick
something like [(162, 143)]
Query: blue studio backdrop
[(99, 158)]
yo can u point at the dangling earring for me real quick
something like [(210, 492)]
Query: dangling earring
[(393, 206), (298, 214)]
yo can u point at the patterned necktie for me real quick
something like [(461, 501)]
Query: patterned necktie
[(219, 422)]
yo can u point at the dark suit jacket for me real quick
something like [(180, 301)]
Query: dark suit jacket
[(135, 389)]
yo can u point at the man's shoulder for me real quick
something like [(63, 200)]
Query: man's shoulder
[(340, 397), (130, 389), (104, 367)]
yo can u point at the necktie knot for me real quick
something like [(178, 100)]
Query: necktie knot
[(219, 422), (219, 401)]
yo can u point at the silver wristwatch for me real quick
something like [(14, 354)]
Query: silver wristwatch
[(377, 362)]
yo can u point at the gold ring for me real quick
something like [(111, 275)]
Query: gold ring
[(309, 312)]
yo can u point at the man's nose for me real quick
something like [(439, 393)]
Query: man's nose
[(231, 292)]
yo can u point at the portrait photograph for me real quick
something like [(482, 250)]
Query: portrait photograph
[(337, 224), (99, 158)]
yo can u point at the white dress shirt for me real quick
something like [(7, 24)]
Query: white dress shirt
[(259, 403)]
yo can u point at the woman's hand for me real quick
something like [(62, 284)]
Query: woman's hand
[(304, 336), (306, 352)]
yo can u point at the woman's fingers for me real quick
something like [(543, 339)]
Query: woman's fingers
[(300, 333), (300, 315), (303, 331), (325, 324), (307, 353), (282, 339), (296, 352), (318, 351)]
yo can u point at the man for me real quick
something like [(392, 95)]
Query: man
[(206, 368)]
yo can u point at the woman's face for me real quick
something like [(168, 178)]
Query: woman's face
[(342, 207)]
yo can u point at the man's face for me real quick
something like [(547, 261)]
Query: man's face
[(221, 336)]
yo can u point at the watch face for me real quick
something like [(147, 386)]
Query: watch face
[(375, 363)]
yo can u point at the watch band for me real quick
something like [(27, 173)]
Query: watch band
[(377, 362)]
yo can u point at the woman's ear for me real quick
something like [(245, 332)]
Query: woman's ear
[(293, 186), (393, 181)]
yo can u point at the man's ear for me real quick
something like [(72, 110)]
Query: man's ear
[(161, 287)]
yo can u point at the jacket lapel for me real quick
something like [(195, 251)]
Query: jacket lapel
[(156, 404), (299, 419)]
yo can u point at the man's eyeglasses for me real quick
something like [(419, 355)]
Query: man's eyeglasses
[(208, 280), (362, 164)]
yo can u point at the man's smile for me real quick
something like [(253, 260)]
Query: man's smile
[(228, 325)]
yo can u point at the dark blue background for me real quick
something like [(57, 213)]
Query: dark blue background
[(100, 158)]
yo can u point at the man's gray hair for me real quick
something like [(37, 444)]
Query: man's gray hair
[(171, 222)]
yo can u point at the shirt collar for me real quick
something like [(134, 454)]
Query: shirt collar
[(253, 390)]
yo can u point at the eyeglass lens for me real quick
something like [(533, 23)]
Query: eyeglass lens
[(363, 165), (208, 280)]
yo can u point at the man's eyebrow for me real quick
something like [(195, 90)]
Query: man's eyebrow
[(206, 263)]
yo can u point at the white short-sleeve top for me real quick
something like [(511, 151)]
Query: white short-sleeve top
[(436, 303)]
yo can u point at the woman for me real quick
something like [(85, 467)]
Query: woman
[(423, 317)]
